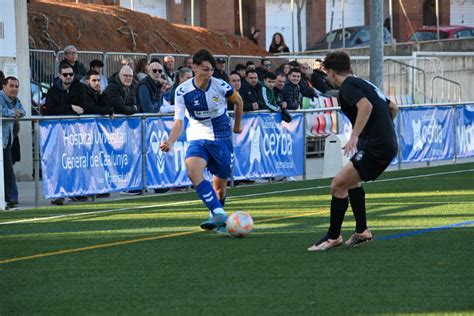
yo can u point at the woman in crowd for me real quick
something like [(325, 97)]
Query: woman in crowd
[(278, 44)]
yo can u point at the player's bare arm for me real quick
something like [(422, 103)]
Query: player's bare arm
[(364, 108), (393, 109), (238, 110), (176, 130)]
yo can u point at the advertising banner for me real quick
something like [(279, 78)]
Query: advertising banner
[(164, 170), (90, 156), (427, 134), (268, 147), (465, 131)]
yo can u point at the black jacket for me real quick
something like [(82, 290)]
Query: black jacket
[(250, 95), (79, 69), (320, 82), (96, 103), (58, 100), (121, 99), (292, 96), (149, 95)]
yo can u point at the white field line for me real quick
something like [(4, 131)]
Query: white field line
[(36, 219)]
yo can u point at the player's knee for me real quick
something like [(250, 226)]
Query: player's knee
[(338, 187), (195, 176)]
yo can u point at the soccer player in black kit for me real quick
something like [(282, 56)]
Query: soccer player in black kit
[(371, 146)]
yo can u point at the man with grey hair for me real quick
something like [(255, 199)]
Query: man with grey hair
[(71, 59), (121, 93), (168, 63)]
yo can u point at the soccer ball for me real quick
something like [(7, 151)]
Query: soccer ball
[(239, 224)]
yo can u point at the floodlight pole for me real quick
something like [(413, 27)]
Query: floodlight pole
[(292, 25), (376, 43), (331, 24), (343, 26), (192, 12), (437, 19), (241, 19)]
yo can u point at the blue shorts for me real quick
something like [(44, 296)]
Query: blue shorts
[(218, 154)]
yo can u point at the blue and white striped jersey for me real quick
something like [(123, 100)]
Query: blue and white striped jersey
[(205, 110)]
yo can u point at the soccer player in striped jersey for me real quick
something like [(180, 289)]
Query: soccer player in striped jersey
[(203, 100)]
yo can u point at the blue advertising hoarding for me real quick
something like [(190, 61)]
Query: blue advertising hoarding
[(90, 156)]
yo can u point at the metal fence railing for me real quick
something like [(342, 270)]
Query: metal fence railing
[(407, 78)]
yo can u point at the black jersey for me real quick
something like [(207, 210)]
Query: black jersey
[(378, 135)]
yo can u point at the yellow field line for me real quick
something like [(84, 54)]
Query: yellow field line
[(133, 241)]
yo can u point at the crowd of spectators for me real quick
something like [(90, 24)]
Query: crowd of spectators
[(149, 86)]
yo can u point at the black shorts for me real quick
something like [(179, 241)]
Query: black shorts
[(368, 165)]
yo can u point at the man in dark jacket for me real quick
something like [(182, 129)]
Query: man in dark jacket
[(219, 71), (291, 91), (121, 93), (319, 78), (251, 91), (67, 95), (71, 59), (95, 103), (149, 96)]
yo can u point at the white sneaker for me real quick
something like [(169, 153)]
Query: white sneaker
[(325, 244)]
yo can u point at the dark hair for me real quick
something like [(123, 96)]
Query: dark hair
[(320, 60), (234, 73), (270, 75), (140, 65), (263, 60), (64, 66), (181, 72), (249, 71), (250, 62), (92, 73), (338, 61), (282, 42), (203, 55), (292, 70), (294, 64), (5, 82), (155, 60), (240, 67), (96, 63), (2, 77)]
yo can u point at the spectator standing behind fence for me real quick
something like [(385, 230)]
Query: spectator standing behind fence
[(11, 108), (254, 35), (291, 91), (268, 93), (219, 72), (121, 93), (250, 91), (182, 75), (168, 66), (319, 78), (72, 59), (278, 44), (98, 66), (149, 93), (265, 66), (241, 69), (67, 95), (141, 69), (95, 103), (236, 82)]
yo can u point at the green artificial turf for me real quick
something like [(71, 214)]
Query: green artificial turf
[(147, 255)]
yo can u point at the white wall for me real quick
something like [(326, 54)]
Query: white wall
[(353, 13), (278, 19), (152, 7), (462, 12)]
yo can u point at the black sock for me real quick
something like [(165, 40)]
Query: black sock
[(338, 210), (357, 199)]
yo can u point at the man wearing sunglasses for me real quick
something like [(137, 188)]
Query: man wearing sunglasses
[(149, 96), (67, 95)]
